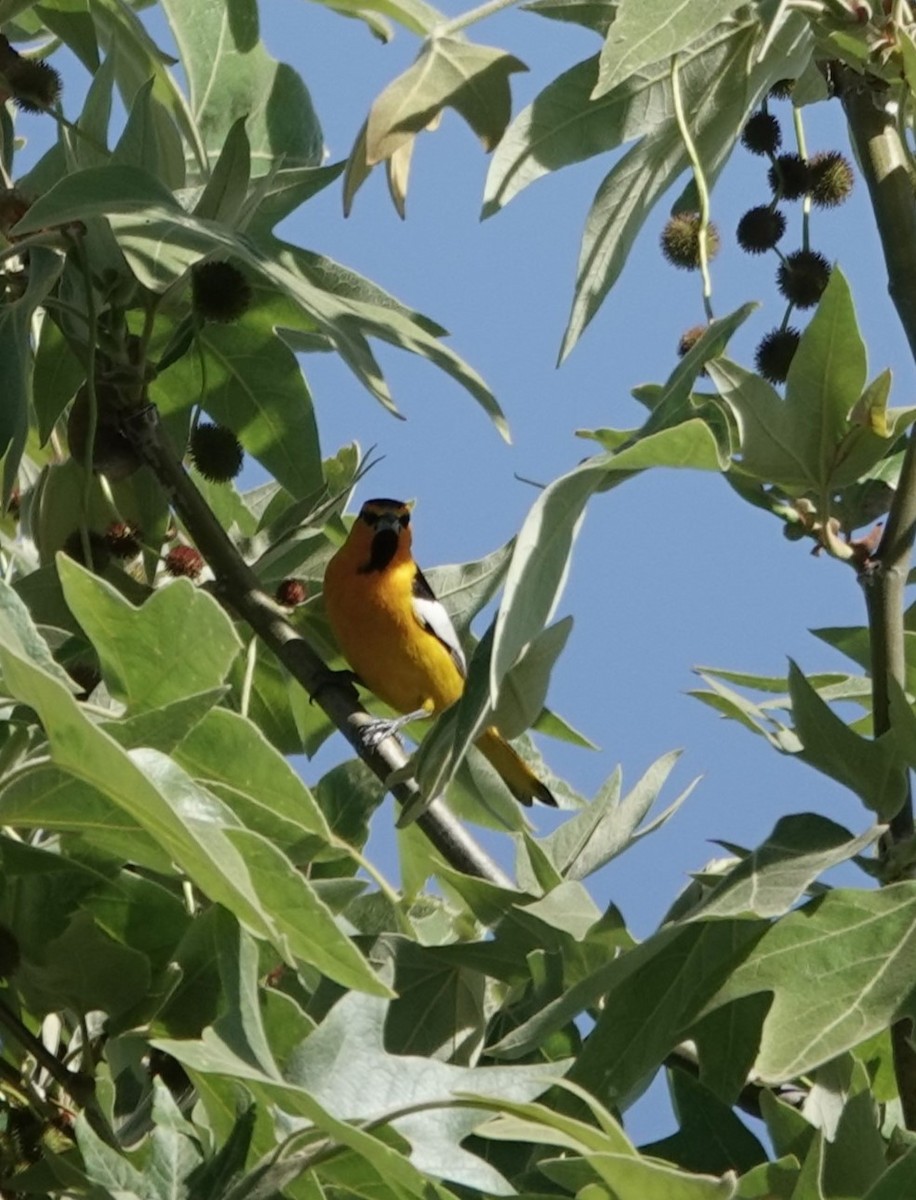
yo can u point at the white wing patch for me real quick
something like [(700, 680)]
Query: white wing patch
[(433, 617)]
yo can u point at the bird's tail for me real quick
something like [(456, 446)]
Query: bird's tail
[(513, 770)]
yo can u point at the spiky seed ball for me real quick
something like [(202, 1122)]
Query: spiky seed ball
[(762, 135), (184, 561), (35, 83), (99, 553), (219, 291), (831, 178), (291, 593), (216, 452), (802, 277), (782, 89), (681, 242), (789, 177), (760, 229), (774, 355), (123, 540)]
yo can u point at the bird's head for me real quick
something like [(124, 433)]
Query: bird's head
[(381, 534)]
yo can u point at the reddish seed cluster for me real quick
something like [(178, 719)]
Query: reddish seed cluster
[(291, 593), (184, 561)]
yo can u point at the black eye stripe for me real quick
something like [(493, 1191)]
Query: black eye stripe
[(404, 519), (371, 518)]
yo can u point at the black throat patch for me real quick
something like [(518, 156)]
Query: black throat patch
[(384, 547)]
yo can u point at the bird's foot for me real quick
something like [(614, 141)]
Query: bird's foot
[(374, 731)]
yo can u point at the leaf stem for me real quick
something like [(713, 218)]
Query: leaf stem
[(472, 16), (803, 154), (702, 189)]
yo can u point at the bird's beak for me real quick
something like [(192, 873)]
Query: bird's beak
[(388, 521)]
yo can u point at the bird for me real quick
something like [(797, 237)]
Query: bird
[(398, 638)]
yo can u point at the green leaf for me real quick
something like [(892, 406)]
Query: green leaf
[(230, 865), (465, 588), (387, 1171), (175, 1150), (768, 881), (74, 26), (524, 688), (603, 829), (415, 15), (644, 1179), (95, 192), (854, 1157), (727, 1042), (251, 382), (227, 187), (441, 1005), (718, 92), (106, 1166), (646, 31), (19, 634), (92, 148), (164, 727), (56, 377), (541, 558), (710, 1137), (596, 15), (770, 1181), (151, 141), (231, 74), (137, 59), (871, 768), (448, 72), (16, 360), (682, 969), (898, 1180), (564, 126), (859, 950), (178, 644), (160, 242), (226, 747), (826, 377), (44, 797), (345, 1066), (140, 914)]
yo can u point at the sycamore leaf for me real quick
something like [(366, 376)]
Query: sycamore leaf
[(645, 31), (448, 72), (859, 954)]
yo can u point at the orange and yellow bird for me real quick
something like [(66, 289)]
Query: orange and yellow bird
[(399, 639)]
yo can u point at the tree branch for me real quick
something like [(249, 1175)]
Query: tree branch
[(885, 166), (240, 589)]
